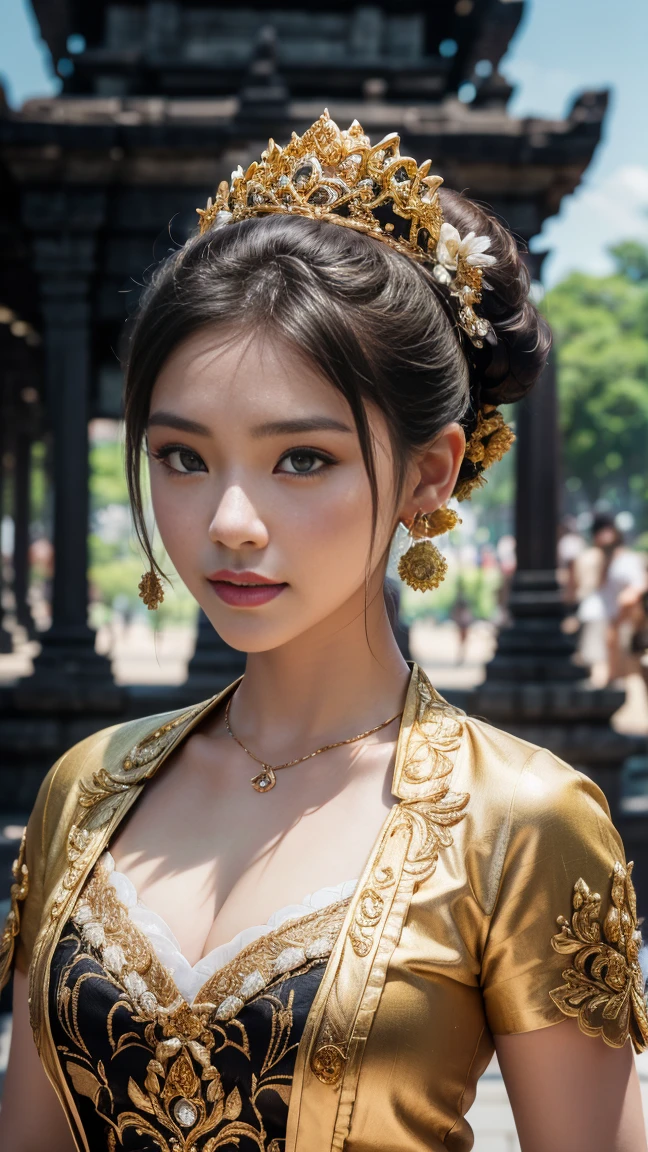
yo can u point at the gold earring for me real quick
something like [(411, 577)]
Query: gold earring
[(423, 567), (151, 590)]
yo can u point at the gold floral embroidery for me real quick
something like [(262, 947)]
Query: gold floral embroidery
[(126, 952), (105, 925), (105, 791), (367, 916), (604, 986), (19, 890), (436, 733), (182, 1099), (428, 806), (426, 812), (285, 949)]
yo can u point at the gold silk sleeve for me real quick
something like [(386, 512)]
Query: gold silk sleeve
[(17, 896), (26, 899), (563, 937)]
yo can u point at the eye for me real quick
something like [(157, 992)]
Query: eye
[(179, 459), (303, 462)]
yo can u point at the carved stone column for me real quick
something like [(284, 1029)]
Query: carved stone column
[(532, 686), (21, 528), (6, 639), (68, 672), (534, 649)]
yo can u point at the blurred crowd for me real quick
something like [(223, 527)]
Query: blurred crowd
[(605, 583)]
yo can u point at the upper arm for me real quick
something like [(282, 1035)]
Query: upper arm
[(572, 1093), (31, 1115), (563, 942), (562, 939)]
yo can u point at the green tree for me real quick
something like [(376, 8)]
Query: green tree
[(600, 326), (107, 477)]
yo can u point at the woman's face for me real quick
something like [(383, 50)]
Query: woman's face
[(260, 491)]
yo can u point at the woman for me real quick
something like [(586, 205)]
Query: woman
[(304, 375)]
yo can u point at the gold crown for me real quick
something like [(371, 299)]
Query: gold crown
[(329, 174)]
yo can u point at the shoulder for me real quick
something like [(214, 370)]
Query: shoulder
[(91, 784), (523, 781), (531, 818), (106, 750)]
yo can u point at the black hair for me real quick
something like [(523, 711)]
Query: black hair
[(371, 319)]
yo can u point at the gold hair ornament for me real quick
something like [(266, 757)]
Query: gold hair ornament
[(335, 175), (423, 566), (338, 176), (489, 442), (151, 590)]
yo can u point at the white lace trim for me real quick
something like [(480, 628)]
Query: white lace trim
[(189, 979)]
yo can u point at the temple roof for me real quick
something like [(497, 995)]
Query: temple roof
[(166, 98), (414, 49)]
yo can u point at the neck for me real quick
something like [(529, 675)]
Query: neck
[(342, 677)]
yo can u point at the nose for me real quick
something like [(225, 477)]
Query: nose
[(236, 523)]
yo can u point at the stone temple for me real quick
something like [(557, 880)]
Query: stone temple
[(160, 99)]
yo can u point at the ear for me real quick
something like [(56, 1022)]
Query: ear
[(433, 474)]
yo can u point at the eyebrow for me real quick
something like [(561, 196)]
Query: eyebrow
[(307, 424), (164, 419), (180, 423)]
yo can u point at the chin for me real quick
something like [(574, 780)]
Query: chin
[(250, 635)]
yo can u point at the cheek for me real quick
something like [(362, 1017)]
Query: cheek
[(332, 531), (179, 513)]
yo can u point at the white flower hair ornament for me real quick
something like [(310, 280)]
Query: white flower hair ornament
[(472, 249), (339, 176)]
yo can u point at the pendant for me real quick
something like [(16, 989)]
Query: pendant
[(265, 781)]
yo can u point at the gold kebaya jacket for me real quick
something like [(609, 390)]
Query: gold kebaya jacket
[(496, 900)]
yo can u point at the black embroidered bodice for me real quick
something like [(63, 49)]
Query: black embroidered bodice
[(150, 1072)]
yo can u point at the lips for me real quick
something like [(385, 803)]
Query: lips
[(245, 589)]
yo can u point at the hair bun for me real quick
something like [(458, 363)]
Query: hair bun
[(504, 371)]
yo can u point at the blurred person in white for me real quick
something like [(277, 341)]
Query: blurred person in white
[(639, 643), (571, 545), (610, 578)]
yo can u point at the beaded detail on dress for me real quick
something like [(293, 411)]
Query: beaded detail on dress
[(184, 1073), (190, 978)]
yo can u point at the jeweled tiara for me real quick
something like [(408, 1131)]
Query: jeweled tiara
[(329, 174)]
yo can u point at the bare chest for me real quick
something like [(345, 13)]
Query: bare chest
[(213, 857)]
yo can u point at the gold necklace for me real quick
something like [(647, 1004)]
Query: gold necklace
[(266, 779)]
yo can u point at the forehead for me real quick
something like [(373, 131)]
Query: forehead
[(241, 374)]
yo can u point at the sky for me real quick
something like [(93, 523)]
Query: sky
[(563, 47)]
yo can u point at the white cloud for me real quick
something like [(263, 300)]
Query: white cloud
[(600, 214)]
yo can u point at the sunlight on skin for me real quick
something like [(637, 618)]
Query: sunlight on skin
[(237, 502), (247, 508), (237, 489), (572, 1093)]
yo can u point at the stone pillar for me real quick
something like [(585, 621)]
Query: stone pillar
[(534, 649), (68, 673), (533, 689), (214, 664), (21, 516), (6, 639)]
